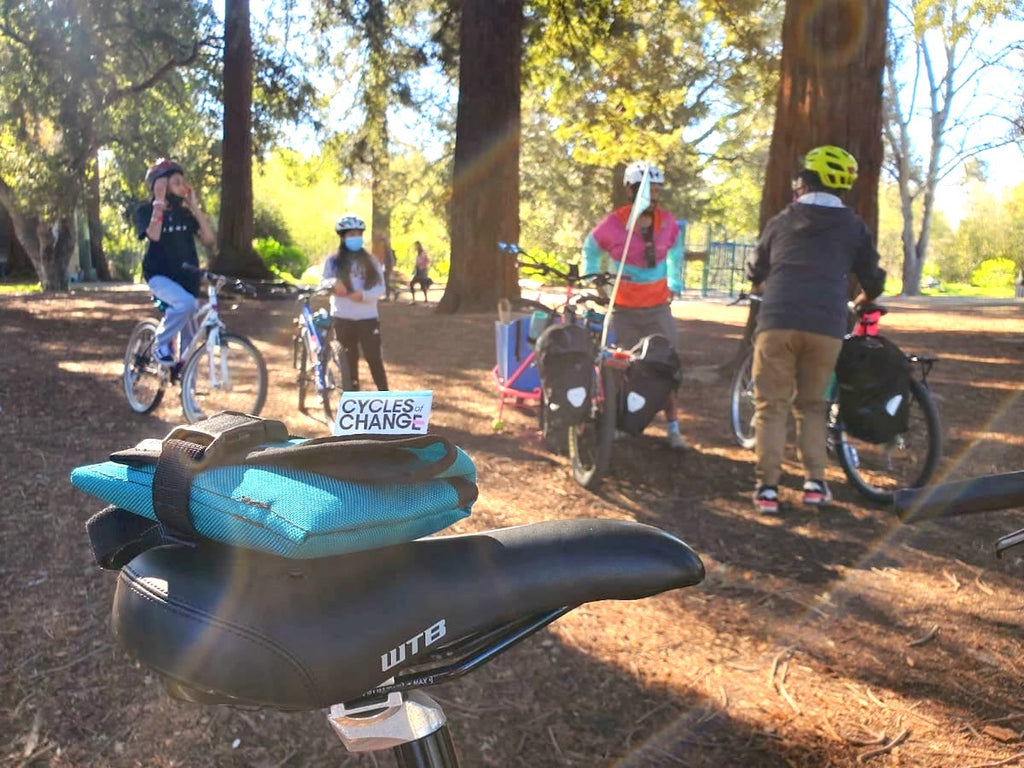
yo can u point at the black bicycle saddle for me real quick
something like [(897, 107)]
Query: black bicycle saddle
[(239, 627)]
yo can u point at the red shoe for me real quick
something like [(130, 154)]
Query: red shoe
[(816, 493), (766, 499)]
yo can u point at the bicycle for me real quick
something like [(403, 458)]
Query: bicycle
[(371, 629), (987, 493), (217, 371), (318, 356), (875, 470), (589, 443)]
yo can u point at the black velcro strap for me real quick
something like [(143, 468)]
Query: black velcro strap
[(118, 535), (172, 484), (222, 439)]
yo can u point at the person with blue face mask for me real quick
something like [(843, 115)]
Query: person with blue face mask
[(358, 282)]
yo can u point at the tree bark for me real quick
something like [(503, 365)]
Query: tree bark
[(236, 255), (375, 103), (97, 257), (830, 92), (485, 198), (47, 244)]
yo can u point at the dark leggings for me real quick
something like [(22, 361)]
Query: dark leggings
[(353, 334)]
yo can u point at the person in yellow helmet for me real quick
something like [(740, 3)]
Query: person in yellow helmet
[(801, 267)]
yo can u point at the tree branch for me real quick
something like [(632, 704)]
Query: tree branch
[(120, 93)]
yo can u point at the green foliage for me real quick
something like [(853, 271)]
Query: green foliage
[(269, 222), (994, 273), (69, 75), (309, 201), (610, 82), (281, 258)]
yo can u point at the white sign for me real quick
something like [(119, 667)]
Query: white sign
[(383, 413)]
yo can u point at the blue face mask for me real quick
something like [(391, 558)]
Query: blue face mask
[(354, 242)]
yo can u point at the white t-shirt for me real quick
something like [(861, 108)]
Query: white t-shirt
[(343, 306)]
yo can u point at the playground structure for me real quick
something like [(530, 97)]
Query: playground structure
[(712, 267)]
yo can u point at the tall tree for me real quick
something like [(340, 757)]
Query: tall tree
[(948, 43), (383, 48), (830, 92), (485, 186), (67, 69), (236, 255)]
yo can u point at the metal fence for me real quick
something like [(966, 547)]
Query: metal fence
[(713, 267)]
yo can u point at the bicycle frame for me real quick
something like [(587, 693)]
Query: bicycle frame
[(207, 325), (314, 342)]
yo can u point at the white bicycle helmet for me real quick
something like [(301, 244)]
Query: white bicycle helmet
[(349, 221), (635, 173)]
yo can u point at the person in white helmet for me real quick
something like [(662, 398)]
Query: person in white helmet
[(650, 276), (358, 280)]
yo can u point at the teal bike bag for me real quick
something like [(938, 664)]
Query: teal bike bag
[(243, 482)]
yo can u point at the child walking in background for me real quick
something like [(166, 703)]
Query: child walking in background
[(420, 276)]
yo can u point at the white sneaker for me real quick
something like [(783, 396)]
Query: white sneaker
[(677, 443)]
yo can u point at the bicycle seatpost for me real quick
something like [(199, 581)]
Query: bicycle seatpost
[(411, 725)]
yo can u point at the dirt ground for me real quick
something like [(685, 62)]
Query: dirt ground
[(817, 639)]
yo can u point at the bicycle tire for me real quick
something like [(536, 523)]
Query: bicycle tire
[(908, 461), (741, 403), (300, 356), (143, 380), (590, 443), (203, 394), (337, 377)]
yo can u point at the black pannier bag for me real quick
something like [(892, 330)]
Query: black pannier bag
[(565, 361), (654, 371), (874, 388)]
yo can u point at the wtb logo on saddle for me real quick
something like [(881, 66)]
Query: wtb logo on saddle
[(396, 656)]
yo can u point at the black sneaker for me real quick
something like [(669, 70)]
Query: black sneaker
[(816, 493), (766, 499)]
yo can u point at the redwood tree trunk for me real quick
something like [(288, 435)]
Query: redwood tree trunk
[(375, 104), (830, 92), (485, 197), (235, 228)]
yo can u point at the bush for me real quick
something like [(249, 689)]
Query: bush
[(994, 273), (281, 258), (268, 223)]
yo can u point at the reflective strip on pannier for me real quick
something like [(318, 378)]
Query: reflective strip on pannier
[(654, 371), (565, 360), (874, 388)]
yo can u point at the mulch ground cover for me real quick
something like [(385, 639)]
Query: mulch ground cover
[(838, 637)]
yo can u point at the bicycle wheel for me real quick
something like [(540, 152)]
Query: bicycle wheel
[(590, 443), (230, 376), (741, 403), (143, 379), (909, 460), (300, 358), (336, 378)]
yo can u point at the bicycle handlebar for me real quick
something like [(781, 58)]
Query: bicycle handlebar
[(221, 281), (988, 493), (572, 277)]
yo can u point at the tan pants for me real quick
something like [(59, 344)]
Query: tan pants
[(782, 359)]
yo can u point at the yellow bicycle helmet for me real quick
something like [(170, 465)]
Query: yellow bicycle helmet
[(836, 167)]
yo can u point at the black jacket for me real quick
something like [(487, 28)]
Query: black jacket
[(804, 257)]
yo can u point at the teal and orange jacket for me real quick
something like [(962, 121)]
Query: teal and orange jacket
[(641, 286)]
